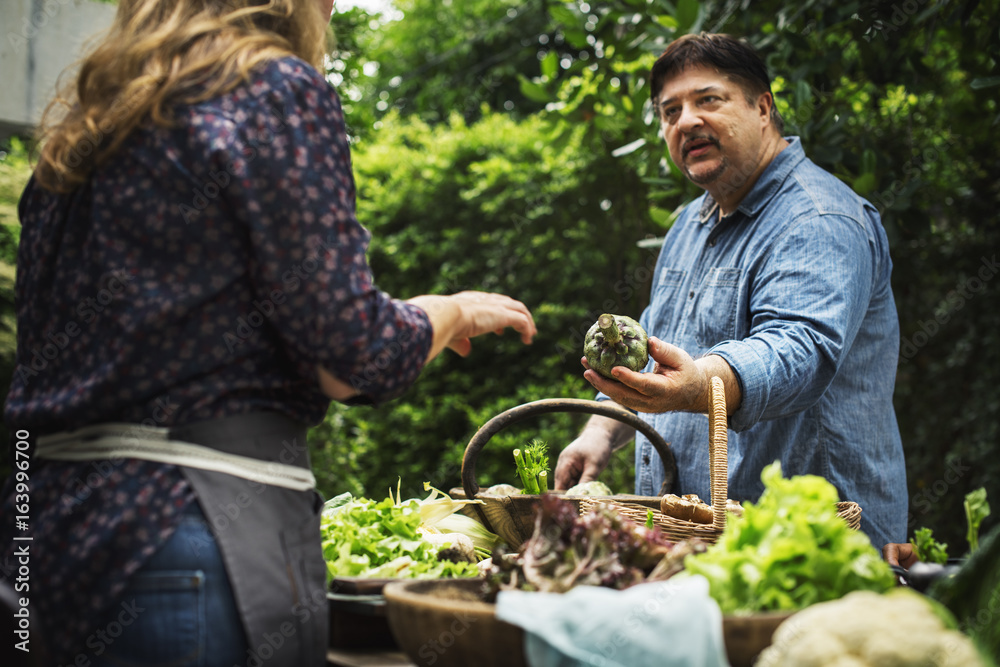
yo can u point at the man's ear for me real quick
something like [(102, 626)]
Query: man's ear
[(765, 102)]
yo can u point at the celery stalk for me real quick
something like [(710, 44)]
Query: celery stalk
[(527, 479)]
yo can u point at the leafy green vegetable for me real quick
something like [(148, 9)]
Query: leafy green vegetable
[(365, 538), (928, 549), (532, 467), (440, 515), (976, 509), (973, 592), (790, 550)]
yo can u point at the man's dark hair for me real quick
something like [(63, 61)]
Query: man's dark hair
[(724, 53)]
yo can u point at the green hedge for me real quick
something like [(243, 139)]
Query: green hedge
[(502, 206)]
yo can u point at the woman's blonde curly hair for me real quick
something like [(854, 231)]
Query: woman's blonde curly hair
[(159, 53)]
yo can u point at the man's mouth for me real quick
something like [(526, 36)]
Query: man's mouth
[(699, 146)]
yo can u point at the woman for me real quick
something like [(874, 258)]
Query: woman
[(192, 291)]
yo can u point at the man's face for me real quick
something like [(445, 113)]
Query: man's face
[(712, 134)]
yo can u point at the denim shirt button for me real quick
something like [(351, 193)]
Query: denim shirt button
[(691, 294)]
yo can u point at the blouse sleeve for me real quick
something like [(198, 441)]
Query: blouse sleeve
[(294, 190)]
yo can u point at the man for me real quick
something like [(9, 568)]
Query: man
[(777, 281)]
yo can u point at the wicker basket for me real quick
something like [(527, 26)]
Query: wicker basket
[(718, 460), (513, 517)]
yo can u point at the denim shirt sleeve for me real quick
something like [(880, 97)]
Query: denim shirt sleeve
[(809, 296)]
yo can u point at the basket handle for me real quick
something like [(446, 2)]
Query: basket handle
[(718, 452), (547, 405)]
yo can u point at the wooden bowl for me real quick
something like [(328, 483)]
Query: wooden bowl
[(444, 622), (747, 636)]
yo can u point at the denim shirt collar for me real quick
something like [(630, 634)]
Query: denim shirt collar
[(767, 185)]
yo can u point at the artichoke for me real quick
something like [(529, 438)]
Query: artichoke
[(616, 340)]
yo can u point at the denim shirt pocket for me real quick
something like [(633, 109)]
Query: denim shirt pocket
[(665, 297), (715, 320)]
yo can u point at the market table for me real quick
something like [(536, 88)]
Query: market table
[(367, 658)]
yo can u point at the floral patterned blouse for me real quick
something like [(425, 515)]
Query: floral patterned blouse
[(206, 270)]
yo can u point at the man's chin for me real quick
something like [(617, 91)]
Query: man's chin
[(704, 174)]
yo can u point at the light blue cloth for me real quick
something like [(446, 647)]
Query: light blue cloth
[(665, 623), (793, 290)]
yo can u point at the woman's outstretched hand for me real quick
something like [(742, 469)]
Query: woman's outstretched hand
[(459, 318)]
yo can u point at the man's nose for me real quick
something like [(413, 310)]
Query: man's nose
[(688, 118)]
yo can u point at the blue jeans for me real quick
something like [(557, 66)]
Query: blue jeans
[(178, 609)]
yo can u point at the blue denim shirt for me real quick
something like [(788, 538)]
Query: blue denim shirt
[(793, 291)]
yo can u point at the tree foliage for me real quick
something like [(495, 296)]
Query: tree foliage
[(492, 206), (511, 146), (897, 99), (14, 173)]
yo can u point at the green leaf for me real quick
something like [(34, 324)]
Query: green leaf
[(550, 64), (577, 38), (667, 21), (928, 549), (564, 15), (660, 215), (864, 184), (984, 82), (687, 14), (976, 509), (869, 161), (533, 91), (803, 95)]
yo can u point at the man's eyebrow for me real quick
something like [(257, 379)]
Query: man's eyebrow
[(699, 91)]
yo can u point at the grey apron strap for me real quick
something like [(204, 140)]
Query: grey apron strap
[(269, 538)]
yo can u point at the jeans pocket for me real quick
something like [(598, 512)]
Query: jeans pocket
[(160, 622)]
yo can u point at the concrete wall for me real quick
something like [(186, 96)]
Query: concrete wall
[(38, 40)]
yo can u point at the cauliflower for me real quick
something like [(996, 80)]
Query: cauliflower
[(592, 488), (866, 629)]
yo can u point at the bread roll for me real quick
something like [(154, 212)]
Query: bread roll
[(687, 508)]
